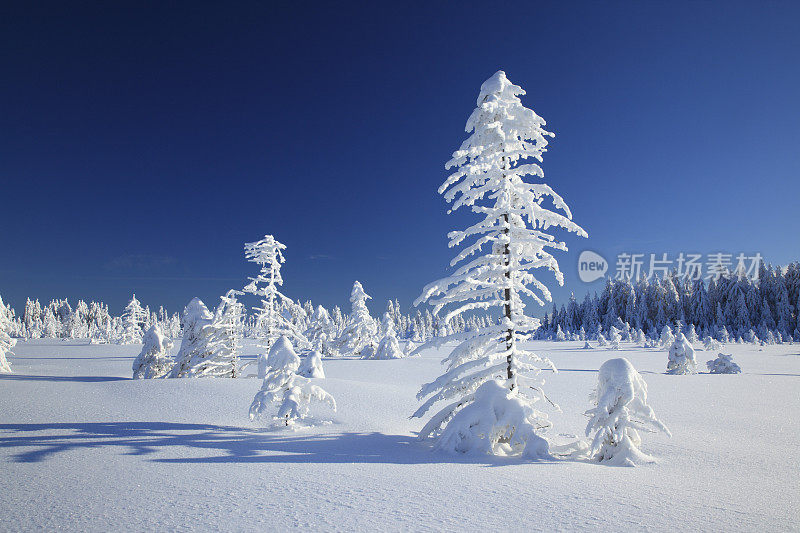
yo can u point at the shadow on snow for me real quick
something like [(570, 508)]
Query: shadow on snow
[(203, 443)]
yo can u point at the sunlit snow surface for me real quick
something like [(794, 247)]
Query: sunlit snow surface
[(85, 448)]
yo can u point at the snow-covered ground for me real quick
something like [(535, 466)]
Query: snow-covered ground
[(85, 448)]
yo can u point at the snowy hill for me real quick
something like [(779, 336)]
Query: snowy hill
[(82, 444)]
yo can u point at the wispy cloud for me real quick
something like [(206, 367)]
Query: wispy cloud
[(140, 262), (317, 257)]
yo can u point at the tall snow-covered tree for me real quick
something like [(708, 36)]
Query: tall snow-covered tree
[(268, 254), (361, 328), (494, 380), (133, 318), (194, 345), (6, 342), (220, 358)]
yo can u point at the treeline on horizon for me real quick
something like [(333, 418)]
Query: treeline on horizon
[(730, 308)]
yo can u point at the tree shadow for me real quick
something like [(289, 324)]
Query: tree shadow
[(209, 444), (69, 379)]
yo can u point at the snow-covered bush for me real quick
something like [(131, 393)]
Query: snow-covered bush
[(560, 334), (723, 364), (620, 411), (311, 366), (601, 340), (587, 346), (194, 345), (492, 383), (681, 357), (6, 342), (710, 344), (283, 384), (154, 360)]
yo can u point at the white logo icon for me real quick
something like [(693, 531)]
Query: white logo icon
[(591, 266)]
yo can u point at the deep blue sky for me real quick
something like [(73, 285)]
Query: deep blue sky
[(141, 144)]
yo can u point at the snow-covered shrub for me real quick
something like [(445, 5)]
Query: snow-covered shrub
[(681, 357), (492, 382), (601, 340), (560, 334), (283, 384), (6, 342), (154, 360), (710, 344), (620, 410), (587, 346), (496, 421), (723, 364), (196, 316), (311, 366)]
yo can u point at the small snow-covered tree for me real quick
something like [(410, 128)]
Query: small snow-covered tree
[(268, 254), (615, 337), (321, 332), (154, 360), (6, 342), (681, 357), (667, 338), (620, 412), (194, 345), (389, 347), (494, 380), (361, 328), (283, 384), (132, 320), (723, 364)]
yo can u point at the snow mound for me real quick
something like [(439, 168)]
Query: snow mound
[(498, 421), (620, 409), (311, 366), (723, 364)]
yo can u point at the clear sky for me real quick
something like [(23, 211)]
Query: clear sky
[(142, 143)]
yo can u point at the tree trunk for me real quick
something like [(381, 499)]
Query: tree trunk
[(507, 295)]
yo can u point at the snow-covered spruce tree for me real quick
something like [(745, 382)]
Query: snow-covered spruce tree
[(132, 320), (389, 347), (154, 360), (681, 358), (196, 317), (620, 410), (6, 342), (268, 254), (283, 384), (219, 358), (495, 382), (361, 328)]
